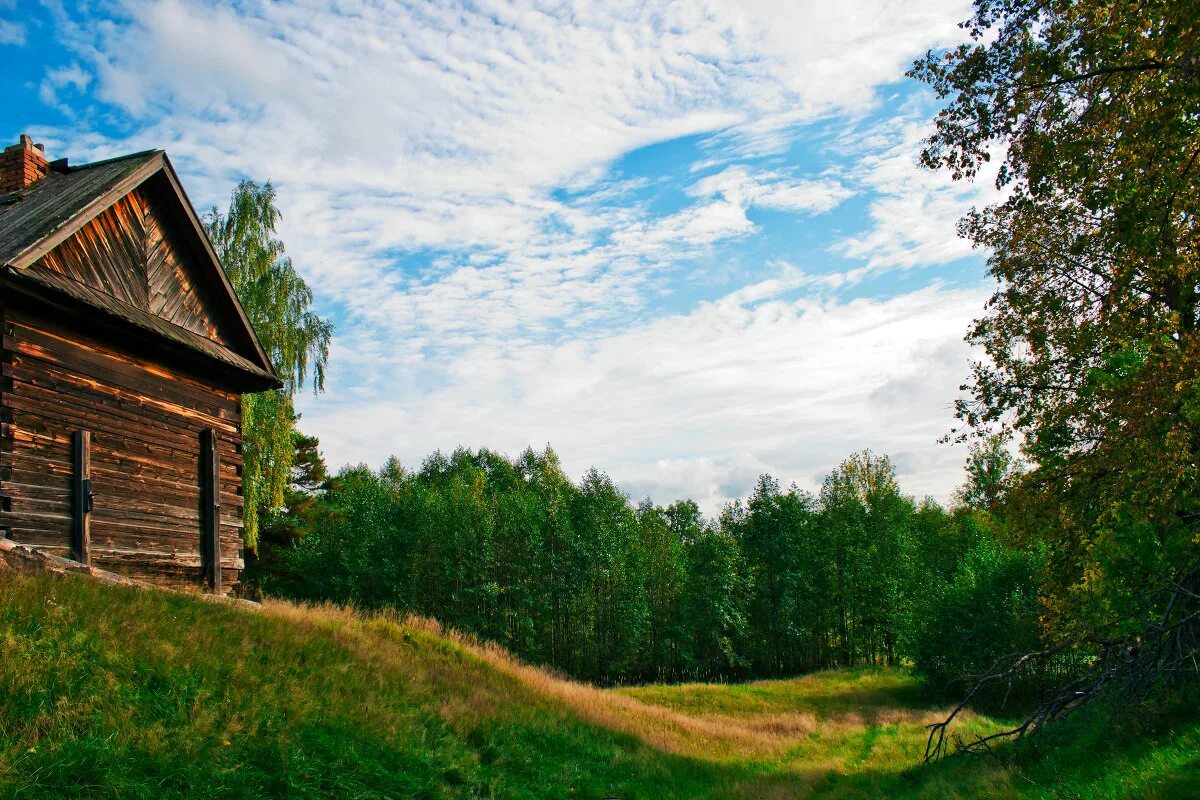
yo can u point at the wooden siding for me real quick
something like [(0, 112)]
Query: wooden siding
[(132, 251), (146, 421), (109, 252)]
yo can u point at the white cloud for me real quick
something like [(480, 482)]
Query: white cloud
[(696, 226), (12, 33), (771, 190), (697, 405), (915, 213), (411, 125), (73, 76)]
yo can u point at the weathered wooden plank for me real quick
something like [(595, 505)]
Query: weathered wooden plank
[(167, 498), (58, 408), (20, 491), (139, 332), (134, 538), (53, 460), (29, 379), (38, 539), (211, 472), (177, 291), (81, 497), (21, 498), (51, 452), (108, 252), (151, 560), (160, 507), (107, 460), (112, 534), (47, 520), (181, 520), (53, 374), (33, 377), (166, 574), (41, 417), (187, 557), (32, 465), (26, 324), (104, 367), (39, 437), (148, 557), (39, 505)]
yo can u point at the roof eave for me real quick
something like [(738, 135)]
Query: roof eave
[(247, 378)]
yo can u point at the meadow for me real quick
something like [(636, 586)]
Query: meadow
[(111, 692)]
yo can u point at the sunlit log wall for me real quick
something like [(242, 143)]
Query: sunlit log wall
[(146, 422)]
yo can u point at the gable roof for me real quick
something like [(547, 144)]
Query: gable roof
[(38, 218)]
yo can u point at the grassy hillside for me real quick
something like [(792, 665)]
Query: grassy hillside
[(112, 692)]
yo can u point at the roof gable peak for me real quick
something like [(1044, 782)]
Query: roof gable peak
[(60, 206)]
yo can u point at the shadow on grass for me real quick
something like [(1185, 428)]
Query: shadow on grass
[(825, 694)]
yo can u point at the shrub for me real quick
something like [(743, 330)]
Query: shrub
[(988, 609)]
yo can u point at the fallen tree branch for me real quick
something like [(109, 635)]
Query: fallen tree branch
[(1126, 661)]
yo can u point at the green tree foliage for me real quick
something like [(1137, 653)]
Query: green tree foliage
[(278, 303), (991, 471), (1091, 337), (939, 539), (788, 576), (575, 576), (266, 569), (869, 524), (716, 626), (987, 609), (661, 544), (713, 628)]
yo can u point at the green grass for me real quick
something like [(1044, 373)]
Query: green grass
[(828, 695), (118, 693)]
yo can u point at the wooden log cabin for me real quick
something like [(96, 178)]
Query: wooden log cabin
[(124, 358)]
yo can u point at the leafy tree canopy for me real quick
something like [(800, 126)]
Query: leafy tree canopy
[(1090, 340), (279, 305), (991, 470)]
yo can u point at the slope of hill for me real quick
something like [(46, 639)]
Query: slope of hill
[(107, 691)]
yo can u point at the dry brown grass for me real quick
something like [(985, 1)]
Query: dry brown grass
[(765, 734), (662, 728)]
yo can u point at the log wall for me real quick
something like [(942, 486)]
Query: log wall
[(146, 421)]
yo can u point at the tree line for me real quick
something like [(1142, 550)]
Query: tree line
[(575, 576)]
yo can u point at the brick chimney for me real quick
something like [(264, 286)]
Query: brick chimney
[(22, 164)]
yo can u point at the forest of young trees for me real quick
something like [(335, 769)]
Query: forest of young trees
[(576, 576)]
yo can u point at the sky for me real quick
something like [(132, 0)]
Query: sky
[(686, 243)]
